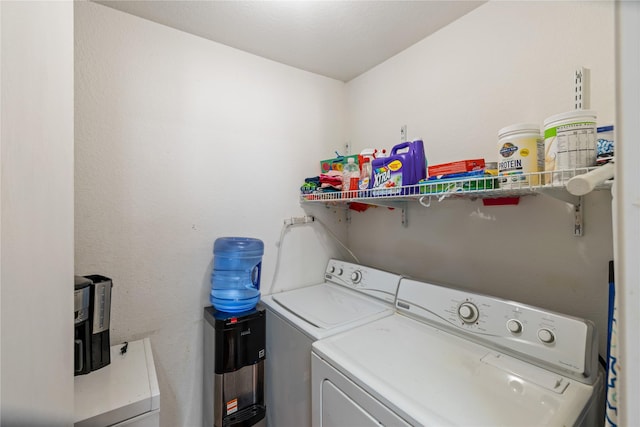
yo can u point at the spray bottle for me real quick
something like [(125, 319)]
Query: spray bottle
[(365, 158)]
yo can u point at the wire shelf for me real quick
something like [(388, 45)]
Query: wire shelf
[(482, 187)]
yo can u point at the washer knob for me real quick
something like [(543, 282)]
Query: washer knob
[(514, 326), (332, 269), (468, 312), (339, 272), (546, 336), (356, 276)]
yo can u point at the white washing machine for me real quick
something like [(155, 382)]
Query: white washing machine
[(352, 295), (454, 358), (123, 393)]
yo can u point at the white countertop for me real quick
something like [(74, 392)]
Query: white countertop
[(125, 388)]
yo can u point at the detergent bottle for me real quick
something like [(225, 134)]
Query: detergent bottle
[(405, 166), (365, 174)]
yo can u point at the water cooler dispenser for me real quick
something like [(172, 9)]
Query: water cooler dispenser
[(234, 354)]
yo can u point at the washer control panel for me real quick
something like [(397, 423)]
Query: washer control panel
[(376, 283), (530, 333)]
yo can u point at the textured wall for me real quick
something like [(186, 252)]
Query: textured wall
[(178, 141), (503, 63)]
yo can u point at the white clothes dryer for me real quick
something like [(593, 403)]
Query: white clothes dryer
[(454, 358), (352, 295)]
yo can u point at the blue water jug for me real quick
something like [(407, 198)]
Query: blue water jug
[(235, 279)]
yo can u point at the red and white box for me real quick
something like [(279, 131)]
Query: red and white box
[(456, 167)]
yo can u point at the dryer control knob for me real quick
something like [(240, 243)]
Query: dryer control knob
[(339, 272), (546, 336), (356, 276), (514, 326), (468, 312), (332, 269)]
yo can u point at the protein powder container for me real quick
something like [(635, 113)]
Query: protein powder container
[(569, 143), (521, 152)]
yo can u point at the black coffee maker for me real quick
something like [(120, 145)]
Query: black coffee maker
[(92, 312)]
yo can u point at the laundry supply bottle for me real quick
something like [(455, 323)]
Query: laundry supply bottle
[(368, 152), (350, 176), (365, 175)]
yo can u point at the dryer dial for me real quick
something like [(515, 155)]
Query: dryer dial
[(356, 276), (514, 326), (546, 336), (468, 312)]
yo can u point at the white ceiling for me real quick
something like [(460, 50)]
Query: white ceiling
[(338, 39)]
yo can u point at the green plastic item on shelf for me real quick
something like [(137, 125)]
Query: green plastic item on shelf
[(458, 186)]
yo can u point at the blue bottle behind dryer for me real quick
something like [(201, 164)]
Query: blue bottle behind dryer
[(235, 278)]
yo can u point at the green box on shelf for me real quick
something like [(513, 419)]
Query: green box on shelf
[(437, 186), (336, 164)]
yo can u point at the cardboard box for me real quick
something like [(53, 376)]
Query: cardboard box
[(456, 167), (336, 163)]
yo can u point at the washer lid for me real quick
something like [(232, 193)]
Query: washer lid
[(430, 377), (126, 388), (328, 306)]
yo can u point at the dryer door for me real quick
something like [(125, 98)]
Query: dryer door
[(339, 410), (338, 402)]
